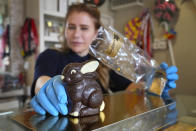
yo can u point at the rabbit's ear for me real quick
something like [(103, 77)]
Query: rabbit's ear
[(89, 67)]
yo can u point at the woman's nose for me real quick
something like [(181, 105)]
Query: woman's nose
[(77, 32)]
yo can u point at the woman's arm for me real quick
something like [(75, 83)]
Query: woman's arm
[(46, 66), (40, 82)]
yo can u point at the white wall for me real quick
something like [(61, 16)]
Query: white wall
[(185, 47)]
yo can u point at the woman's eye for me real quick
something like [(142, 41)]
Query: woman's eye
[(73, 72), (84, 28), (71, 27)]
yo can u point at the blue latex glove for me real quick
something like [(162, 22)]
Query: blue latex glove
[(172, 76), (51, 98)]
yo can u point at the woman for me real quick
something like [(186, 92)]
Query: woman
[(81, 25)]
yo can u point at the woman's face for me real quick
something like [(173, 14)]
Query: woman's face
[(80, 32)]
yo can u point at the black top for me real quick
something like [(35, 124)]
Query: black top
[(51, 63)]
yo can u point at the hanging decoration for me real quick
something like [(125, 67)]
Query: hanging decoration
[(28, 38), (139, 31), (6, 42), (170, 34), (5, 45), (133, 30), (166, 13), (165, 10)]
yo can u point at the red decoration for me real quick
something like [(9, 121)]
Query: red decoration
[(28, 38), (165, 10)]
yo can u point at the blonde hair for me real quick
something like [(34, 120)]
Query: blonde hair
[(103, 71)]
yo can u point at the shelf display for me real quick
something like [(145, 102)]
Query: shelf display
[(53, 29), (51, 23)]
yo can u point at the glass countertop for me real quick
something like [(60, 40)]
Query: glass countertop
[(123, 111)]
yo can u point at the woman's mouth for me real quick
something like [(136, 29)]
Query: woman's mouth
[(76, 43)]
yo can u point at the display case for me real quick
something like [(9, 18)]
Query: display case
[(51, 20)]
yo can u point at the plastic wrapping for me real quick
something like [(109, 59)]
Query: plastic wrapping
[(118, 53)]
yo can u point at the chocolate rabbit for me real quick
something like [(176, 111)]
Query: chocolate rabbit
[(83, 90)]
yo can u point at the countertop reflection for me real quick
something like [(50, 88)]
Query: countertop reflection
[(123, 110)]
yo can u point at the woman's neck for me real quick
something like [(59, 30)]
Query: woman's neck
[(82, 54)]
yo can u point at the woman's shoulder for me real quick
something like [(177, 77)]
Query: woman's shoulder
[(50, 52), (49, 55)]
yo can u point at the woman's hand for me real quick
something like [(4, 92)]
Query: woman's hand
[(51, 98), (172, 76)]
